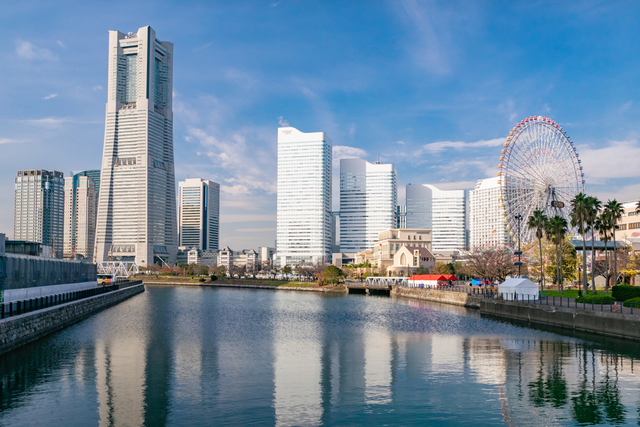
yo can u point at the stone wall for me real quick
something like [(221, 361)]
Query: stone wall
[(605, 323), (447, 297), (19, 330)]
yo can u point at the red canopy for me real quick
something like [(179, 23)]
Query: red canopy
[(439, 277)]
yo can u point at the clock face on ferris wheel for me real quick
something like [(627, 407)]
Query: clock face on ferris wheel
[(539, 170)]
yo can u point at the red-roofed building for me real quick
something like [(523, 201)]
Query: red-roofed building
[(430, 280)]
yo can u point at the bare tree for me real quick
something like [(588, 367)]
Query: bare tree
[(489, 264)]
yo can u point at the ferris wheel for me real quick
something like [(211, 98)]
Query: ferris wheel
[(539, 170)]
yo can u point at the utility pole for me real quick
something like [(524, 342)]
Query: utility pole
[(519, 252)]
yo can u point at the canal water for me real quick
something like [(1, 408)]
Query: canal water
[(182, 356)]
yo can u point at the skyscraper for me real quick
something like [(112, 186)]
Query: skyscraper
[(38, 214), (444, 212), (199, 214), (488, 228), (368, 203), (80, 210), (304, 197), (137, 204)]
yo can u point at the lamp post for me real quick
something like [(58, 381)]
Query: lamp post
[(518, 252)]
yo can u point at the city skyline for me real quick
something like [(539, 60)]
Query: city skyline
[(431, 99)]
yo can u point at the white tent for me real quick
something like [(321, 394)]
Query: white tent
[(519, 288)]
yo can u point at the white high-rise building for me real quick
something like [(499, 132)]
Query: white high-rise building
[(488, 228), (199, 214), (80, 209), (137, 204), (304, 197), (368, 203), (444, 212), (38, 214)]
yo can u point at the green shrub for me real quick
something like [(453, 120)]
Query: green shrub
[(625, 292), (202, 279), (214, 277), (635, 301), (595, 299)]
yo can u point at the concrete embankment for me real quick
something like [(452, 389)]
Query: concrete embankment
[(600, 322), (447, 297), (19, 330), (248, 286)]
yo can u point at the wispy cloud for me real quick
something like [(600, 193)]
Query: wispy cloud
[(202, 47), (399, 142), (8, 141), (225, 219), (346, 152), (97, 87), (437, 147), (615, 160), (53, 95), (61, 44), (28, 50), (274, 4), (282, 122), (55, 122), (254, 230)]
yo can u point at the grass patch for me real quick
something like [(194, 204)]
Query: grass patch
[(573, 293)]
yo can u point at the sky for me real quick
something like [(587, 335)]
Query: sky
[(433, 87)]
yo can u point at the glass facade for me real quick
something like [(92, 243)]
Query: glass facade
[(199, 214), (488, 228), (304, 197), (80, 209), (368, 201)]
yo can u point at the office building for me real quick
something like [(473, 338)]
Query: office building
[(442, 212), (304, 197), (137, 203), (401, 217), (38, 214), (487, 225), (199, 214), (80, 210), (368, 202)]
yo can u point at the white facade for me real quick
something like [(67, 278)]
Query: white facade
[(368, 202), (137, 204), (80, 210), (304, 197), (199, 214), (487, 225), (38, 214), (444, 212)]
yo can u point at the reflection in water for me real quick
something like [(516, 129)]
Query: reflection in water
[(176, 356)]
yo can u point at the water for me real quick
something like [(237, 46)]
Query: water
[(181, 356)]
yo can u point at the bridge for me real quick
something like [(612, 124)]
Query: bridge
[(377, 285)]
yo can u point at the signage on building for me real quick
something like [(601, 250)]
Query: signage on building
[(556, 204)]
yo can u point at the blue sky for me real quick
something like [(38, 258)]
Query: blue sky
[(432, 87)]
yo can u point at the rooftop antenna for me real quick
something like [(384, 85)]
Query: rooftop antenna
[(378, 161)]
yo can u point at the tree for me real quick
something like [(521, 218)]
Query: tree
[(603, 226), (594, 205), (538, 221), (492, 264), (568, 258), (203, 270), (332, 274), (219, 270), (440, 268), (615, 210), (286, 269), (579, 217), (556, 232)]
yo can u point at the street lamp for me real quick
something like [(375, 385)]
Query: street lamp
[(518, 252)]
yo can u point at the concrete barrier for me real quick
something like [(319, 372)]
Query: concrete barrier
[(19, 330), (600, 322), (447, 297)]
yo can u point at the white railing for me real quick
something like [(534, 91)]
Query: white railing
[(386, 281), (118, 268)]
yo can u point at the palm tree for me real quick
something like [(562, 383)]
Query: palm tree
[(579, 216), (615, 212), (556, 231), (594, 206), (603, 226), (538, 221)]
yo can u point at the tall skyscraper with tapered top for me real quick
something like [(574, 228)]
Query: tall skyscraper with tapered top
[(137, 203)]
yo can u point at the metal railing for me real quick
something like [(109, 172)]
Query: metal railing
[(15, 308)]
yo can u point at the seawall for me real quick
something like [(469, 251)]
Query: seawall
[(248, 286), (447, 297), (19, 330), (600, 322)]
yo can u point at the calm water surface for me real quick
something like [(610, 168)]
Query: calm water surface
[(180, 356)]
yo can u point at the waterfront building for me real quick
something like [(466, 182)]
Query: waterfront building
[(80, 210), (444, 212), (390, 241), (304, 197), (225, 258), (137, 203), (368, 202), (488, 227), (401, 215), (199, 214), (200, 257), (629, 224), (408, 259), (38, 214), (266, 256)]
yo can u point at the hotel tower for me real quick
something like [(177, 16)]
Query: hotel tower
[(137, 204)]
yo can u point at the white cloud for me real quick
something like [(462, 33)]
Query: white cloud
[(508, 108), (616, 160), (437, 147), (399, 142), (61, 44), (48, 122), (97, 87), (53, 95), (274, 4), (308, 92), (346, 152), (7, 141), (28, 50), (625, 107), (282, 122)]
